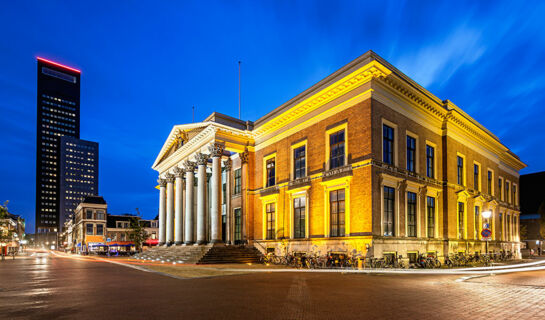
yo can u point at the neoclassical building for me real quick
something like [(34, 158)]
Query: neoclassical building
[(364, 158)]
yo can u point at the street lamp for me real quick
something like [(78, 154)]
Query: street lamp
[(486, 215)]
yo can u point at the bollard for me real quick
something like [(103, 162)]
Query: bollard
[(360, 264)]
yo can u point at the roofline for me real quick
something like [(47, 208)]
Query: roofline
[(58, 64)]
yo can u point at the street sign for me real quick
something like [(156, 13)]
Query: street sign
[(486, 226), (486, 233), (109, 240)]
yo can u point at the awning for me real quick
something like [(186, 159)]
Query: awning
[(152, 242), (95, 244), (120, 243)]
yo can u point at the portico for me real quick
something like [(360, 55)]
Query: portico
[(194, 168)]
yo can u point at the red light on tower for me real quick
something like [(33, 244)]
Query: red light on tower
[(58, 64)]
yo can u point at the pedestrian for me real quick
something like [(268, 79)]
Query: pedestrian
[(531, 253), (539, 251)]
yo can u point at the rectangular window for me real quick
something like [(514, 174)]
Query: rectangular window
[(389, 212), (387, 144), (515, 194), (336, 150), (460, 220), (89, 214), (431, 216), (299, 160), (411, 214), (270, 210), (411, 154), (271, 177), (476, 224), (500, 188), (508, 231), (100, 229), (336, 206), (460, 170), (122, 236), (507, 191), (489, 185), (100, 215), (299, 217), (430, 160), (238, 181), (476, 174), (238, 226), (501, 226), (119, 224), (89, 228)]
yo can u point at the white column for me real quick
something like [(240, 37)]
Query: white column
[(162, 202), (216, 151), (178, 203), (189, 181), (229, 233), (202, 160), (170, 209)]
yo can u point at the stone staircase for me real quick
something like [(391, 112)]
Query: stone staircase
[(179, 254), (203, 254), (231, 254)]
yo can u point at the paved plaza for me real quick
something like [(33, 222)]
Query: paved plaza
[(48, 286)]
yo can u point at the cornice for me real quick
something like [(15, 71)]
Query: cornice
[(371, 70)]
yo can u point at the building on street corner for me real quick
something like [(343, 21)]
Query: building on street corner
[(365, 157)]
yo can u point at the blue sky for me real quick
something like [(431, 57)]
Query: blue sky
[(145, 64)]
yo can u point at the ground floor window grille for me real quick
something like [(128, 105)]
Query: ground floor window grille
[(336, 202), (299, 217), (389, 217), (431, 216), (270, 209), (411, 214), (238, 226)]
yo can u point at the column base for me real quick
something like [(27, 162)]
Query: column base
[(161, 244), (169, 243), (178, 243), (188, 243), (201, 242), (217, 242)]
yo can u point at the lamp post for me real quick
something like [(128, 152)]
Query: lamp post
[(486, 215)]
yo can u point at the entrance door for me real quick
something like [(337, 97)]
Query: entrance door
[(238, 226), (223, 225)]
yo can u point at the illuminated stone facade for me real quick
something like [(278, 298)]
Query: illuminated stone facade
[(366, 157)]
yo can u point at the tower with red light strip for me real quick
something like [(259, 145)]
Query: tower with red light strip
[(58, 115)]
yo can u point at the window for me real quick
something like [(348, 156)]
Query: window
[(476, 227), (89, 214), (154, 235), (489, 184), (122, 237), (515, 194), (100, 229), (430, 160), (336, 147), (476, 174), (270, 173), (507, 195), (508, 231), (501, 226), (299, 160), (389, 218), (431, 216), (238, 181), (460, 170), (411, 214), (100, 215), (411, 154), (89, 228), (336, 203), (460, 220), (270, 211), (500, 188), (387, 144), (299, 217), (238, 226)]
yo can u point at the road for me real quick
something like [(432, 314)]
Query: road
[(51, 287)]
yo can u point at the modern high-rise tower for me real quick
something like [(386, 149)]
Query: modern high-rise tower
[(58, 103)]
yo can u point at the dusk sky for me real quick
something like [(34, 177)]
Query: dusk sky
[(144, 64)]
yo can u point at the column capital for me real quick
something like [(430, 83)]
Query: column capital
[(202, 159), (162, 182), (189, 166), (216, 149), (169, 177), (227, 164), (178, 172), (244, 156)]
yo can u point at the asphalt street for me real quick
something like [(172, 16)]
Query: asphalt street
[(50, 287)]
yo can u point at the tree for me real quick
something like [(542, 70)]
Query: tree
[(137, 233)]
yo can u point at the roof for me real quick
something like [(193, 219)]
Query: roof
[(94, 200)]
